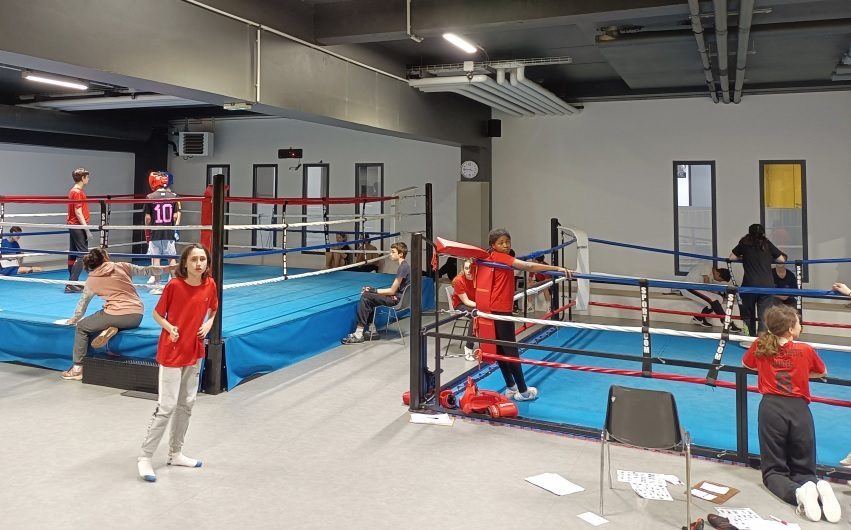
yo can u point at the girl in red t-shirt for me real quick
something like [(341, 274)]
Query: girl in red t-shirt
[(787, 439), (501, 300), (464, 299), (186, 311)]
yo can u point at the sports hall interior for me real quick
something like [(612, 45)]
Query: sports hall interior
[(592, 113)]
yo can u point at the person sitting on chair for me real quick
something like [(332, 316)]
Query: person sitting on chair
[(338, 257), (366, 255), (539, 278), (371, 297), (464, 299), (784, 279)]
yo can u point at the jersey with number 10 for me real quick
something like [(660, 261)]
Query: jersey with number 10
[(162, 213)]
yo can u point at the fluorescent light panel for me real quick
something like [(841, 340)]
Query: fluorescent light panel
[(57, 82), (461, 43)]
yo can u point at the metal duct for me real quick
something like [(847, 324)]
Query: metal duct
[(516, 96), (697, 29), (745, 17), (721, 43)]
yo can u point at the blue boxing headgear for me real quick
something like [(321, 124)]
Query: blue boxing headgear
[(170, 178)]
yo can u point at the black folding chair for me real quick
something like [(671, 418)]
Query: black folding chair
[(643, 418)]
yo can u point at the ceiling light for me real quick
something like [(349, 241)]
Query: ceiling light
[(39, 78), (237, 105), (117, 102), (461, 43)]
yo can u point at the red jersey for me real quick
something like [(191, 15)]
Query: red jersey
[(788, 372), (78, 196), (460, 284), (185, 307), (501, 291)]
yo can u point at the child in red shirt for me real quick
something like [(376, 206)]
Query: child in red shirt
[(464, 299), (787, 440), (186, 312), (501, 300)]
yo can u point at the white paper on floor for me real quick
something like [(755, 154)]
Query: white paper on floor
[(432, 419), (651, 486), (61, 321), (702, 494), (555, 483), (720, 490), (764, 524), (592, 518), (740, 517)]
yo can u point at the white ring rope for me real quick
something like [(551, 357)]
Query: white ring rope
[(538, 288), (638, 329), (302, 275)]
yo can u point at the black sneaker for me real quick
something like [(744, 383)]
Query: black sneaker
[(701, 322), (73, 289), (351, 338), (735, 329)]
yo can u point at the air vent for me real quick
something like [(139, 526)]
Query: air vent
[(195, 144)]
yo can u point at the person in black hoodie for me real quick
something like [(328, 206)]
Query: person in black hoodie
[(757, 254)]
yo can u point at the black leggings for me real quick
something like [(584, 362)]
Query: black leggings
[(511, 372), (753, 311), (787, 445)]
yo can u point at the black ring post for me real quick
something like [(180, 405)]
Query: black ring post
[(104, 219), (418, 362), (214, 367), (429, 229), (554, 289), (729, 300)]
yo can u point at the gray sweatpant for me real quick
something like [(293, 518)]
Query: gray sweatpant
[(94, 324), (178, 389)]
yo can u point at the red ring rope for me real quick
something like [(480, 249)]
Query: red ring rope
[(637, 373), (710, 315)]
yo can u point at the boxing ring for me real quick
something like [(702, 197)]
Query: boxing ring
[(573, 364), (270, 317)]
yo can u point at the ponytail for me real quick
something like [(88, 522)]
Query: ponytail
[(767, 344)]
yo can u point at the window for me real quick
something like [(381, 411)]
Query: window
[(265, 187), (369, 182), (314, 184), (223, 169), (694, 213), (783, 206)]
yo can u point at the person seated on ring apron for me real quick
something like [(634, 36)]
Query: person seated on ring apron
[(11, 267), (708, 301)]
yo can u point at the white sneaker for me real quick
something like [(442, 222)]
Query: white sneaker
[(157, 291), (146, 470), (808, 506), (152, 279), (530, 394), (511, 391), (846, 462), (829, 505), (469, 354)]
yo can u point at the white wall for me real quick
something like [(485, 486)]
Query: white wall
[(35, 170), (608, 170), (244, 142)]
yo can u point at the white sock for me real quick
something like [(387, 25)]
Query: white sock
[(179, 459), (359, 333), (146, 470)]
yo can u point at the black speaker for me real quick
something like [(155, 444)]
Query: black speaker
[(494, 128), (289, 153)]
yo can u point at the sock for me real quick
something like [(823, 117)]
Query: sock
[(359, 333), (179, 459), (146, 470)]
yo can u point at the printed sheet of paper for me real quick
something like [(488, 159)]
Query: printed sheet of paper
[(651, 491), (640, 478), (740, 517), (765, 524), (592, 518), (432, 419), (555, 483)]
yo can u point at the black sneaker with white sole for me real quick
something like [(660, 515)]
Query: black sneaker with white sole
[(701, 322), (351, 338)]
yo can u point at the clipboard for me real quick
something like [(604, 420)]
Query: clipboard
[(719, 499)]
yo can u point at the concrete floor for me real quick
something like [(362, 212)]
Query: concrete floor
[(323, 444)]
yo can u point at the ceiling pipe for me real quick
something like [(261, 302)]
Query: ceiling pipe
[(697, 29), (721, 45), (535, 105), (519, 74), (745, 17)]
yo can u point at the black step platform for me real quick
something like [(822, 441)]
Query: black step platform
[(119, 372)]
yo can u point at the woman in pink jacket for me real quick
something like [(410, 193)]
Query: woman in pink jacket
[(112, 281)]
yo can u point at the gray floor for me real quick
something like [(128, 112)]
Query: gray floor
[(323, 444)]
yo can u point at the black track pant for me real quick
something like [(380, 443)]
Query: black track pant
[(77, 242), (787, 445), (753, 306), (367, 305), (511, 372)]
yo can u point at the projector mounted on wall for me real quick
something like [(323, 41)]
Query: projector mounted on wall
[(195, 144)]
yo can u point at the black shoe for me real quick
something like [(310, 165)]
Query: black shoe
[(721, 523), (735, 329), (351, 338), (701, 322), (73, 289)]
